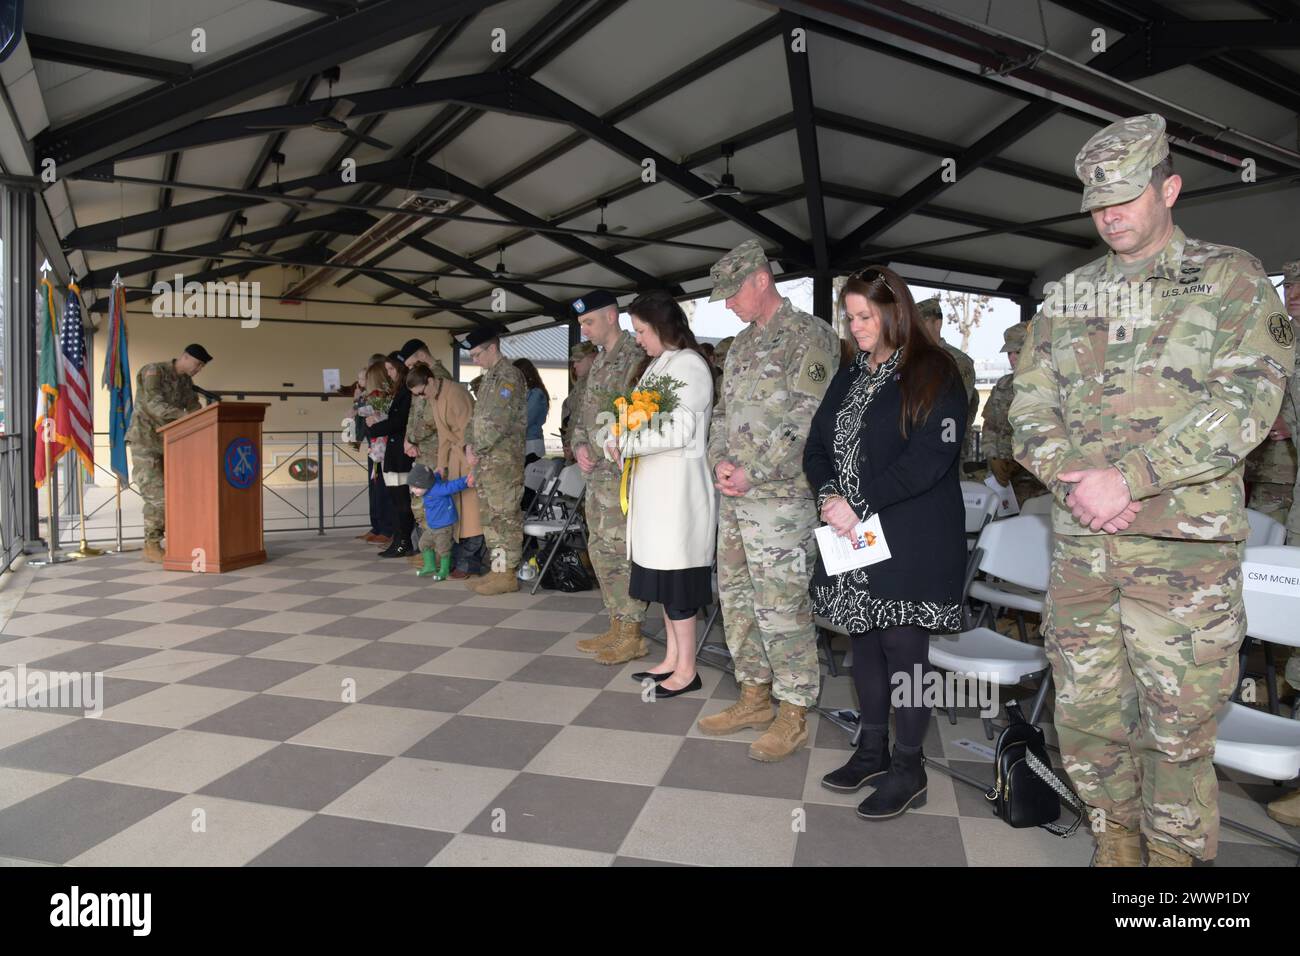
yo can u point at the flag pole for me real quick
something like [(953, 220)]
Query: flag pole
[(52, 522), (85, 551)]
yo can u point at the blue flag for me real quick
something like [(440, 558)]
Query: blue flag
[(117, 379)]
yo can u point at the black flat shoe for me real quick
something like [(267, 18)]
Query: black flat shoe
[(639, 676), (662, 693), (399, 551)]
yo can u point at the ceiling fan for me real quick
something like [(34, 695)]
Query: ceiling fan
[(332, 116), (501, 272), (601, 228), (726, 185)]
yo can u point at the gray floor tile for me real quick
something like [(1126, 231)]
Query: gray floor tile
[(453, 614), (389, 656), (467, 849), (117, 690), (617, 711), (210, 597), (306, 778), (485, 742), (99, 629), (268, 717), (42, 827), (450, 594), (337, 605), (233, 640), (913, 839), (372, 629), (585, 814), (250, 673), (564, 671), (726, 766), (511, 639), (223, 616), (92, 658), (339, 841), (78, 746), (431, 692)]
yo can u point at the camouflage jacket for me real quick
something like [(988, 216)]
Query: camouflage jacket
[(500, 414), (772, 382), (1273, 462), (162, 395), (1291, 404), (612, 373), (1173, 393), (422, 432), (569, 409), (996, 433)]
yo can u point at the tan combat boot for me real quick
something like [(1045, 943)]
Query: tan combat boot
[(1286, 809), (590, 645), (787, 734), (1118, 846), (1166, 854), (754, 709), (497, 582), (627, 645), (153, 550)]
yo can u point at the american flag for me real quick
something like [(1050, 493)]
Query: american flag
[(74, 418)]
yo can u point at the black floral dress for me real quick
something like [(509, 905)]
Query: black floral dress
[(845, 599)]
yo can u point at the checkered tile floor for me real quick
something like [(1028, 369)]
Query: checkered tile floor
[(478, 735)]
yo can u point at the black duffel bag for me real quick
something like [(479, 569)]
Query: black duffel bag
[(568, 572)]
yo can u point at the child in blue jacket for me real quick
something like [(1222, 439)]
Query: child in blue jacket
[(439, 515)]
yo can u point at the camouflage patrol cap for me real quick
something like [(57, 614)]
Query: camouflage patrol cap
[(931, 309), (1291, 272), (1013, 338), (732, 269), (1115, 165), (581, 350)]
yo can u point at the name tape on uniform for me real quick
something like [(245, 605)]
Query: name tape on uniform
[(1272, 578)]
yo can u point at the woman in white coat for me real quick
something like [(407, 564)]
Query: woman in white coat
[(672, 515)]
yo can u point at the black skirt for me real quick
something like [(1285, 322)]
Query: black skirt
[(683, 588)]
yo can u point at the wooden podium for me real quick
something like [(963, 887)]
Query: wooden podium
[(212, 470)]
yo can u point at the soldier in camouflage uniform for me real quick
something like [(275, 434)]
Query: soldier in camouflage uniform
[(1147, 378), (997, 426), (581, 357), (612, 373), (421, 433), (494, 449), (932, 311), (164, 392), (1287, 809), (1271, 471), (776, 373)]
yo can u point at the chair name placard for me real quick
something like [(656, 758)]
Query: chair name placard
[(1273, 578)]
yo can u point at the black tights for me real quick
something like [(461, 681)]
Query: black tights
[(403, 517), (879, 655)]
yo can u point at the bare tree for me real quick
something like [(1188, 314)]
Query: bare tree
[(964, 310)]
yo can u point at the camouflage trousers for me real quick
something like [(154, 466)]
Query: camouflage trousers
[(499, 486), (766, 551), (147, 472), (1271, 498), (1142, 635), (607, 544)]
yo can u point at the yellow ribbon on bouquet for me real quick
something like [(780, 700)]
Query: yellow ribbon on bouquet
[(629, 466)]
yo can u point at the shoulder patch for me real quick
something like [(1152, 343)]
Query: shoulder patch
[(815, 371), (1279, 326), (506, 391)]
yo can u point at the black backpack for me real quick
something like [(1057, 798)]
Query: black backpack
[(1026, 792)]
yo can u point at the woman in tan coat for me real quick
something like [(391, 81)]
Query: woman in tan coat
[(452, 409)]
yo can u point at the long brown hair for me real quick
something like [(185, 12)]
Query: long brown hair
[(378, 379), (925, 368), (532, 377), (659, 310)]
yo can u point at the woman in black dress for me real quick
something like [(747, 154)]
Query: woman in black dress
[(886, 441)]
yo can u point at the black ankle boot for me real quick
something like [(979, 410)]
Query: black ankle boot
[(869, 761), (903, 788), (398, 549)]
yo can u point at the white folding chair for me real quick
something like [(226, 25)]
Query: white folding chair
[(1018, 550), (561, 500), (981, 505), (1263, 529), (1021, 550), (1250, 740)]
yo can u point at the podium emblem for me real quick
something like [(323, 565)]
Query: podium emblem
[(241, 463)]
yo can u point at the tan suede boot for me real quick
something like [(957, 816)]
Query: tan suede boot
[(1118, 846), (1286, 809), (1166, 854), (497, 582), (787, 734), (754, 709), (628, 645), (153, 551), (590, 645)]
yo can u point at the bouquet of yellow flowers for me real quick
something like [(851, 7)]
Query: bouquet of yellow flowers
[(647, 406)]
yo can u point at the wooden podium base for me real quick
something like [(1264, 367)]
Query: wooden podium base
[(214, 567)]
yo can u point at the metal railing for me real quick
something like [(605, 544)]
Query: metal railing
[(327, 491), (13, 483)]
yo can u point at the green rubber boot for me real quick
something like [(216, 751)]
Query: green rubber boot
[(429, 558), (444, 568)]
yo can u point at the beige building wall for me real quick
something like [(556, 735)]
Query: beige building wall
[(274, 355)]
